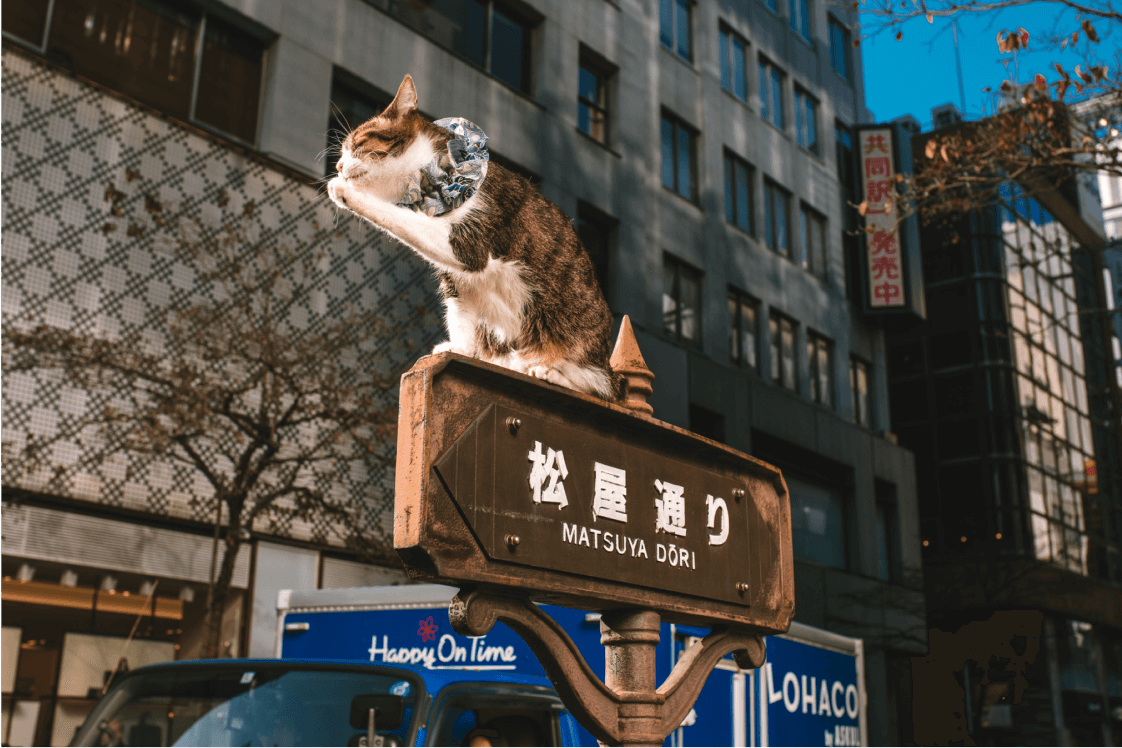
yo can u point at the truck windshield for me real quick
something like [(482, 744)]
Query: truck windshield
[(245, 704)]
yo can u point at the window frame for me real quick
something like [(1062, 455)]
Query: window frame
[(738, 301), (604, 72), (808, 216), (861, 416), (674, 46), (772, 82), (682, 269), (776, 327), (732, 162), (806, 121), (232, 20), (801, 20), (821, 374), (839, 53), (726, 38), (591, 215), (679, 127), (770, 229)]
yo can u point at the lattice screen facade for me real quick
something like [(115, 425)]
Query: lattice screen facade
[(63, 143)]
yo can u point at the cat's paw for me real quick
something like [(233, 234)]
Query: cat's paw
[(449, 347), (337, 190), (549, 374)]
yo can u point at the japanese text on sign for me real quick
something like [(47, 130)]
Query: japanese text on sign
[(878, 175)]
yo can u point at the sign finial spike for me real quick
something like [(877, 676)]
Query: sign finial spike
[(627, 361)]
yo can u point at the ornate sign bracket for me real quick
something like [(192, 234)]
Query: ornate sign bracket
[(628, 709)]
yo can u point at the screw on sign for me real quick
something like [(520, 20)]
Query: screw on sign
[(517, 492)]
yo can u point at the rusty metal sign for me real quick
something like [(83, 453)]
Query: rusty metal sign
[(507, 482)]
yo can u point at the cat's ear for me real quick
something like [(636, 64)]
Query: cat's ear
[(406, 99)]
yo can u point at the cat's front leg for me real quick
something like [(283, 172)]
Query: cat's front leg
[(463, 337), (425, 235)]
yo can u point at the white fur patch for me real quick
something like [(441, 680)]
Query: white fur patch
[(579, 378), (495, 297)]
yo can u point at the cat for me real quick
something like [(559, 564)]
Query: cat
[(518, 287)]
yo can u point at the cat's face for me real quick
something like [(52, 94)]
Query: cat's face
[(379, 155)]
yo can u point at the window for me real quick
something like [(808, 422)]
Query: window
[(800, 18), (350, 107), (806, 122), (813, 253), (817, 521), (771, 93), (739, 206), (681, 301), (859, 386), (776, 214), (26, 19), (592, 96), (839, 48), (743, 329), (674, 27), (782, 351), (820, 361), (156, 62), (489, 35), (773, 5), (888, 544), (677, 157), (705, 422), (734, 65), (596, 231)]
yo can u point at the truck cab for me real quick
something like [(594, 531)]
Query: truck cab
[(315, 703)]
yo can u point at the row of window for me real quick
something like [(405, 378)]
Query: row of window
[(681, 307), (676, 34)]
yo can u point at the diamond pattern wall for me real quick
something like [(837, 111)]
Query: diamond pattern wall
[(64, 144)]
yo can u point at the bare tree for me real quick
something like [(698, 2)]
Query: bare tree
[(285, 416), (1045, 124)]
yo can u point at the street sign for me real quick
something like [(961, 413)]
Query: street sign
[(513, 484)]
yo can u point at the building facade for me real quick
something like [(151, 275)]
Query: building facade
[(1005, 395), (704, 150)]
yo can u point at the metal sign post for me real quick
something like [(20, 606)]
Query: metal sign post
[(519, 492)]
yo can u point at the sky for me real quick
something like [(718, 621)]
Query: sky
[(917, 73)]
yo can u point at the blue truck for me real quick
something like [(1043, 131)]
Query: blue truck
[(382, 666)]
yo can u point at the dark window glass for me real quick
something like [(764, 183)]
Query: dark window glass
[(743, 329), (771, 93), (144, 50), (817, 522), (813, 241), (800, 18), (26, 19), (705, 422), (847, 174), (734, 66), (229, 80), (806, 126), (681, 301), (739, 206), (674, 27), (509, 50), (888, 545), (820, 361), (776, 213), (677, 157), (502, 49), (592, 104), (773, 4), (859, 387), (782, 334), (839, 48), (596, 231)]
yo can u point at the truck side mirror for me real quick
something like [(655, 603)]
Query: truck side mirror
[(384, 710)]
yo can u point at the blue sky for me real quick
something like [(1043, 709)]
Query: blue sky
[(917, 73)]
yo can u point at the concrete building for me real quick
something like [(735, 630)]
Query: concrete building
[(705, 151), (1005, 396)]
